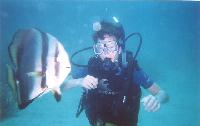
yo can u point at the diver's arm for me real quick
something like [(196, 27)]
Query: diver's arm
[(157, 95), (70, 82), (156, 91), (153, 101), (88, 82), (143, 79)]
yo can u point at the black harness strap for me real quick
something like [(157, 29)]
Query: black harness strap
[(129, 76)]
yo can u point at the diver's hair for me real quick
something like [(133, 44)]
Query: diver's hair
[(113, 29)]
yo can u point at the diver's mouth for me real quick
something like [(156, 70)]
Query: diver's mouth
[(108, 58)]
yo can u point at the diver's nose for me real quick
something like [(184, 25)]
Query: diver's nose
[(105, 50)]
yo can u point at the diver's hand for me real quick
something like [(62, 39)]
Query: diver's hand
[(151, 103), (89, 82)]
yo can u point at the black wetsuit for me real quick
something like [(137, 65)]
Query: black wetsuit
[(116, 99)]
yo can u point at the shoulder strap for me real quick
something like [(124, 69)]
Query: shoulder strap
[(128, 73), (124, 62)]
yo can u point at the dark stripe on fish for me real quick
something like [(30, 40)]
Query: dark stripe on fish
[(18, 76), (57, 64), (20, 54), (45, 48)]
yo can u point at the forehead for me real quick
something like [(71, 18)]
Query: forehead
[(109, 37)]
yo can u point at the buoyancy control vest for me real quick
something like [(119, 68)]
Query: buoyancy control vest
[(116, 97)]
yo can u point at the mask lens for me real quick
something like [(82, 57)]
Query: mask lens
[(112, 46), (98, 48), (105, 47)]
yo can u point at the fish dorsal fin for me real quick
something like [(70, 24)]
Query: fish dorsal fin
[(13, 47)]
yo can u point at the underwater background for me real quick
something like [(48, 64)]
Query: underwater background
[(169, 54)]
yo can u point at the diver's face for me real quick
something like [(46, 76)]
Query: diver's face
[(107, 48)]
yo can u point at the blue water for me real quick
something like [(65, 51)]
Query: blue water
[(170, 55)]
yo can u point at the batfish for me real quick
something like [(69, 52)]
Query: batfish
[(39, 64)]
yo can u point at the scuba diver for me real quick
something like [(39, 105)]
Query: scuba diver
[(112, 81)]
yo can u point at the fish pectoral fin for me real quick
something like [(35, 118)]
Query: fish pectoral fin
[(35, 74), (57, 94)]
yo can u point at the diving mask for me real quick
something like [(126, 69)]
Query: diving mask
[(103, 46)]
